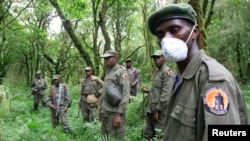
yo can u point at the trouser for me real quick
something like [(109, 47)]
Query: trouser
[(151, 124), (107, 128), (37, 98), (133, 91), (61, 115), (89, 113)]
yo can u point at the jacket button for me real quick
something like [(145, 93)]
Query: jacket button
[(177, 112), (194, 119)]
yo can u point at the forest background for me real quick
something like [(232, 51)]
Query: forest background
[(64, 36)]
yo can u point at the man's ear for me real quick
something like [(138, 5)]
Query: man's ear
[(195, 32)]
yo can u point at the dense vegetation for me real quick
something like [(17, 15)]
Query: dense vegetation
[(85, 29), (58, 36), (22, 123)]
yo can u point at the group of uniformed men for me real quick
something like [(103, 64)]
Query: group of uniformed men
[(181, 104)]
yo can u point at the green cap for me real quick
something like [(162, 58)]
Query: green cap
[(128, 60), (109, 53), (88, 68), (56, 76), (157, 53), (38, 72), (171, 11)]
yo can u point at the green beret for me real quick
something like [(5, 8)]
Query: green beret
[(171, 11)]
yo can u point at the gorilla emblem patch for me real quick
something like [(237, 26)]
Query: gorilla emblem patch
[(216, 101)]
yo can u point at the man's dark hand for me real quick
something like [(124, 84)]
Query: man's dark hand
[(53, 107), (156, 116), (117, 120)]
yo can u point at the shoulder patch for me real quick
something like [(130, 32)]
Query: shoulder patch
[(124, 75), (216, 101), (169, 72), (122, 67)]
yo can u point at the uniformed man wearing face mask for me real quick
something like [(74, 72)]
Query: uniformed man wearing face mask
[(191, 106)]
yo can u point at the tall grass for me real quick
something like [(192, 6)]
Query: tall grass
[(24, 124)]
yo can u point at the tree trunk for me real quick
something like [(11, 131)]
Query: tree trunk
[(96, 47), (202, 43), (67, 25), (147, 37), (102, 24)]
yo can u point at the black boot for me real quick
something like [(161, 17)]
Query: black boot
[(35, 107)]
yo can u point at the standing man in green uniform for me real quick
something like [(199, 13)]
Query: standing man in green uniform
[(133, 77), (158, 97), (38, 87), (59, 102), (199, 79), (112, 115), (91, 87)]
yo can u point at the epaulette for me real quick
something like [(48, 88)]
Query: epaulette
[(93, 77), (124, 74), (122, 67)]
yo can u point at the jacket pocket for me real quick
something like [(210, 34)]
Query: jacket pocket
[(186, 115), (157, 83)]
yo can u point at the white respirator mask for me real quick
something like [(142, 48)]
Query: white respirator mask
[(175, 49)]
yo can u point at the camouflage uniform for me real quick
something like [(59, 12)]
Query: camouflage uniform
[(60, 98), (89, 86), (38, 87), (117, 75)]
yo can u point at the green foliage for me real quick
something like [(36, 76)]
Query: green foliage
[(76, 9), (134, 114), (228, 37), (4, 101), (25, 124), (246, 92)]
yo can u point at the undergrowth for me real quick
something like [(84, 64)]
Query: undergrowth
[(24, 124)]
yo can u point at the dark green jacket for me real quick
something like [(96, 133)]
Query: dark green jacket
[(159, 91), (192, 105), (116, 75)]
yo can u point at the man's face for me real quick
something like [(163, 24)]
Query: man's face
[(175, 28), (110, 61), (159, 61), (56, 81), (128, 64), (88, 72), (38, 76)]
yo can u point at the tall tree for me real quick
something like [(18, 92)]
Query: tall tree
[(68, 27), (8, 27)]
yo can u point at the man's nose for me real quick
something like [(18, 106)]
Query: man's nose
[(168, 34)]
